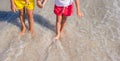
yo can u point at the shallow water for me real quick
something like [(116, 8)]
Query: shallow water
[(95, 37)]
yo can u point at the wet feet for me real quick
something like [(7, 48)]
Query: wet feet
[(23, 31), (32, 33), (57, 37)]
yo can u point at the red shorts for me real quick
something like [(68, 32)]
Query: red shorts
[(66, 11)]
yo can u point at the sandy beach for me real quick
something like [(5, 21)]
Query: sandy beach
[(95, 37)]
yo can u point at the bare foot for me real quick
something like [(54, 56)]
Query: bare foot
[(57, 37), (23, 31), (32, 33)]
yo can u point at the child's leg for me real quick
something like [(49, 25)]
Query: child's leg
[(58, 26), (22, 20), (31, 20), (64, 18)]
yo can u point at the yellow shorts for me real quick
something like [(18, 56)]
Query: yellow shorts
[(20, 4)]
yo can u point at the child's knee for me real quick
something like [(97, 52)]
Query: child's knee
[(30, 16), (21, 14), (63, 21)]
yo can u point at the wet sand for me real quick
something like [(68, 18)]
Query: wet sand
[(95, 37)]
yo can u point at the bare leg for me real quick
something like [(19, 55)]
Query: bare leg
[(22, 20), (31, 21), (58, 26), (64, 18)]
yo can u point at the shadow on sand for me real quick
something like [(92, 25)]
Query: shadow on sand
[(9, 17), (44, 22), (13, 18)]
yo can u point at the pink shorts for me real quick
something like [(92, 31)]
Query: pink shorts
[(66, 11)]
